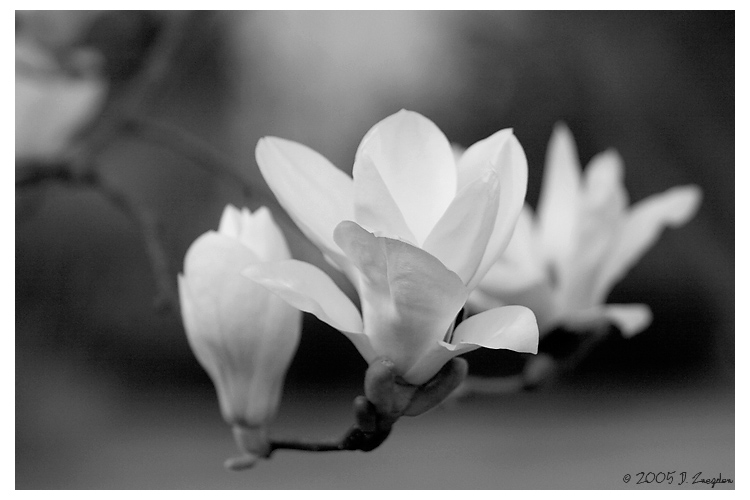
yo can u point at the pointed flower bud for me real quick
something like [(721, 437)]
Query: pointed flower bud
[(242, 335)]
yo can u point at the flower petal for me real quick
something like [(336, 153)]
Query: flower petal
[(603, 181), (309, 289), (538, 296), (315, 194), (510, 327), (257, 231), (630, 319), (416, 163), (409, 298), (643, 225), (51, 107), (521, 265), (479, 156), (374, 207), (512, 170), (600, 218), (559, 197), (460, 237), (242, 335)]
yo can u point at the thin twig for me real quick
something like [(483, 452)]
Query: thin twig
[(38, 173), (122, 105), (189, 146), (151, 232)]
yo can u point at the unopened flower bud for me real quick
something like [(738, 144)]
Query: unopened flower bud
[(243, 336)]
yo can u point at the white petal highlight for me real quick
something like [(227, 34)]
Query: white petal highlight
[(600, 215), (509, 327), (559, 197), (645, 223), (521, 265), (512, 170), (460, 237), (242, 335), (409, 298), (257, 231), (315, 194), (479, 156), (309, 289), (630, 319), (374, 207), (416, 162)]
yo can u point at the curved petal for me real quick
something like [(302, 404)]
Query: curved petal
[(510, 327), (241, 334), (521, 266), (309, 289), (630, 319), (538, 296), (479, 156), (460, 237), (601, 215), (374, 207), (315, 194), (642, 227), (603, 181), (512, 170), (416, 163), (51, 108), (409, 298), (559, 197), (257, 231)]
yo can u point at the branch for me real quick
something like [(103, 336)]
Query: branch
[(38, 173), (126, 103), (387, 399), (151, 231), (370, 431), (188, 145)]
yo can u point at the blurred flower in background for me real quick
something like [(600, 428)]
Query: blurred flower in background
[(563, 263), (60, 86), (243, 336)]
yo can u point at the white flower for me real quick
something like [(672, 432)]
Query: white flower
[(413, 230), (243, 336), (51, 106), (563, 263)]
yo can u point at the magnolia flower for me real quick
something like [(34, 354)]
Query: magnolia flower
[(563, 263), (242, 335), (51, 105), (413, 230)]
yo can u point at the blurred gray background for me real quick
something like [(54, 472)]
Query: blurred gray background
[(108, 394)]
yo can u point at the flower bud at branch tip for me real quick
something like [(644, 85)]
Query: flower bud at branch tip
[(365, 414), (383, 390), (244, 336), (439, 387)]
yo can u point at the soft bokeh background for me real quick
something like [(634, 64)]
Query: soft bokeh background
[(108, 394)]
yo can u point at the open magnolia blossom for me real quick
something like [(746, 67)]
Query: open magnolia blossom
[(243, 336), (51, 105), (414, 231), (563, 263)]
